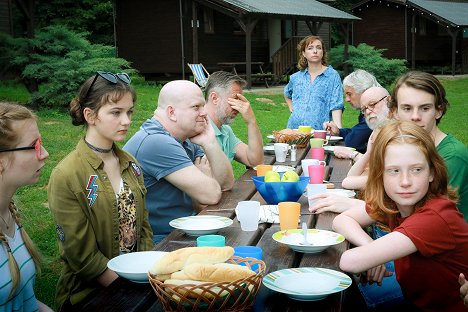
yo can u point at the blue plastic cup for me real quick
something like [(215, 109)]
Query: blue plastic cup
[(211, 241), (249, 252)]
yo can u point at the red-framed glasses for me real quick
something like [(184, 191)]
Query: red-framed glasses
[(37, 146)]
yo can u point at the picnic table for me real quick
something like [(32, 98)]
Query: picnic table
[(260, 75), (123, 295)]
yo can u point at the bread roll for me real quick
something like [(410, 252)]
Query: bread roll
[(179, 275), (176, 260), (220, 272)]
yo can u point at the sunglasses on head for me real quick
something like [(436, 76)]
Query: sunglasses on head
[(111, 77), (37, 146)]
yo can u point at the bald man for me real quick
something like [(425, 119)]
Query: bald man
[(182, 163)]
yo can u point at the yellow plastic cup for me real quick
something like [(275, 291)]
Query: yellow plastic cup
[(306, 129), (262, 169), (316, 142), (289, 215)]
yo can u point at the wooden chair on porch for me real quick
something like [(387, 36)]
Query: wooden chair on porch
[(199, 76)]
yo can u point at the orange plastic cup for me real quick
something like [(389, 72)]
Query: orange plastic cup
[(289, 215), (262, 169)]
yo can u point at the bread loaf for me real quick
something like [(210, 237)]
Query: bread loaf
[(176, 260), (220, 272), (179, 275)]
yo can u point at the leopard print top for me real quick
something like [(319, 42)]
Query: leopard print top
[(127, 216)]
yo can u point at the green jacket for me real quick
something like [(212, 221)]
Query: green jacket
[(84, 207)]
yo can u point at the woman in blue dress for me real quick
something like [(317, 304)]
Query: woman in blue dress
[(314, 93)]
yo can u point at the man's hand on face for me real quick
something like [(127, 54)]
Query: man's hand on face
[(206, 136), (241, 105)]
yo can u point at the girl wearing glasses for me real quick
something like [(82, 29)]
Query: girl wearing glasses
[(21, 160), (408, 190), (96, 193)]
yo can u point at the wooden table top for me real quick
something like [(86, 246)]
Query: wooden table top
[(123, 295)]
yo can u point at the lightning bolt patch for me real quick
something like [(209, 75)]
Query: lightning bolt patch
[(92, 189)]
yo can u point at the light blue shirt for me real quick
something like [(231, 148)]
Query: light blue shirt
[(313, 102), (226, 139)]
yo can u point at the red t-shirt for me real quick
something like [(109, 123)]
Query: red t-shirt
[(429, 277)]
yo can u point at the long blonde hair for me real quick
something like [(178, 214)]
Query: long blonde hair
[(9, 114), (403, 132)]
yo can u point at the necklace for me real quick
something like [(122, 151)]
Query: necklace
[(98, 149), (6, 223)]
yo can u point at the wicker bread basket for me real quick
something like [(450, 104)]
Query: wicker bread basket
[(224, 296), (292, 137)]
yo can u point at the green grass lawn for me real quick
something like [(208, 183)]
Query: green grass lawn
[(60, 137)]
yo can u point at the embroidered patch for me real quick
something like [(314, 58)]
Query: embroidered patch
[(136, 169), (60, 233), (92, 189)]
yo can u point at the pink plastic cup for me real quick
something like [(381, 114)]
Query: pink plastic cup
[(320, 134), (317, 153), (316, 174)]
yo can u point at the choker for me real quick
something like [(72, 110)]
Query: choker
[(98, 149)]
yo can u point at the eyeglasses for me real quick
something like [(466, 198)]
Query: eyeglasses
[(111, 77), (371, 105), (37, 146)]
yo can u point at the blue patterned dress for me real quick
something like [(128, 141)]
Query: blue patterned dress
[(313, 102)]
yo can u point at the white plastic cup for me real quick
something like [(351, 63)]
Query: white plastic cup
[(313, 189), (305, 163), (248, 214), (281, 150)]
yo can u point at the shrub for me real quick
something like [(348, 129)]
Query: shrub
[(370, 59), (59, 61)]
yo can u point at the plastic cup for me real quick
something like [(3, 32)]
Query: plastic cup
[(320, 134), (317, 153), (262, 169), (305, 163), (313, 189), (281, 150), (249, 252), (317, 142), (289, 215), (316, 174), (306, 129), (248, 214), (211, 240)]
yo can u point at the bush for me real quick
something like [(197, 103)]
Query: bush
[(370, 59), (58, 61)]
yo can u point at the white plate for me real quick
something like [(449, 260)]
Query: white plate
[(134, 266), (200, 225), (339, 192), (332, 148), (319, 239), (307, 284), (334, 138)]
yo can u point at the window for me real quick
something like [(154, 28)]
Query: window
[(422, 26)]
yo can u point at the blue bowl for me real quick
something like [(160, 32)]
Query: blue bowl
[(275, 192)]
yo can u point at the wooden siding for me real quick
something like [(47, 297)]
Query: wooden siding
[(5, 18), (324, 32), (382, 27)]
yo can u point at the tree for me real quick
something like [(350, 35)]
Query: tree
[(62, 60)]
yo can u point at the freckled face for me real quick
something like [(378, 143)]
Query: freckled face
[(406, 176)]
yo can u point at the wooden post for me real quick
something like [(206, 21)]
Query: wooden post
[(248, 25), (453, 33), (194, 33), (413, 41)]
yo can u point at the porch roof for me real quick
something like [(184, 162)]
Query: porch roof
[(451, 12), (303, 9)]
